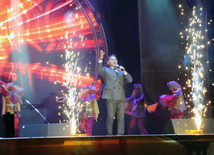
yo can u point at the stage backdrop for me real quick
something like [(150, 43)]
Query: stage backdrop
[(48, 47)]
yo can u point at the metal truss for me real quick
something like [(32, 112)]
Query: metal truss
[(97, 32)]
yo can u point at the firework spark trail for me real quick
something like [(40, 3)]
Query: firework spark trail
[(71, 81), (195, 51)]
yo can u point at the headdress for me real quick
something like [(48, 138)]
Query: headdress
[(137, 85), (180, 104), (17, 89), (88, 89)]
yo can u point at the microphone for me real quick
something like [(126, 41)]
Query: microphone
[(118, 66)]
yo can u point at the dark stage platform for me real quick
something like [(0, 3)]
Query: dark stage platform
[(110, 145)]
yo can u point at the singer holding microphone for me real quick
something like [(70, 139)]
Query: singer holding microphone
[(113, 91)]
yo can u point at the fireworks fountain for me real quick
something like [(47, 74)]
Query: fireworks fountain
[(196, 54)]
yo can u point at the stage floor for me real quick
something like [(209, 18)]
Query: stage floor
[(110, 145)]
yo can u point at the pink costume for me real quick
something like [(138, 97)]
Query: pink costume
[(135, 106), (89, 110), (175, 102)]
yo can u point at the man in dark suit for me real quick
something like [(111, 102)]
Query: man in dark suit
[(114, 92)]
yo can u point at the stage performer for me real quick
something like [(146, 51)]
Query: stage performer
[(11, 100), (89, 108), (175, 102), (113, 91), (135, 106)]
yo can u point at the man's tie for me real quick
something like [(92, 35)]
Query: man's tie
[(116, 71)]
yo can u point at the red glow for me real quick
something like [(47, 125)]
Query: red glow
[(48, 72)]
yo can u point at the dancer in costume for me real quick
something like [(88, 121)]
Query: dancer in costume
[(89, 109), (135, 106), (11, 100), (175, 102)]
